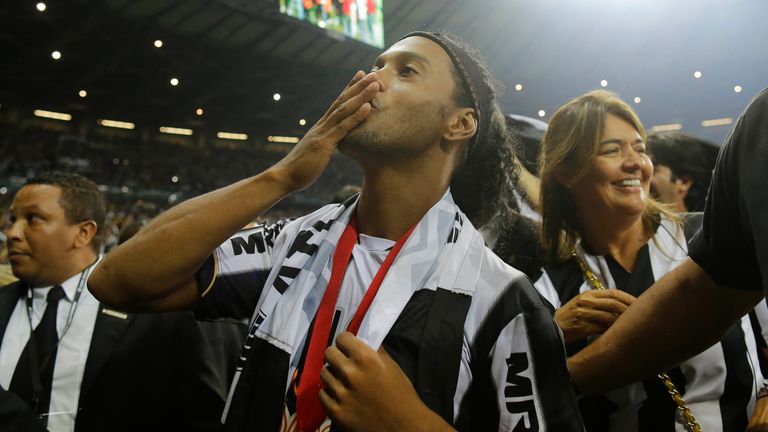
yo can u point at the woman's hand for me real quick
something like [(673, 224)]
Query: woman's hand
[(759, 420), (591, 313)]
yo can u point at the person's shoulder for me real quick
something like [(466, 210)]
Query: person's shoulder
[(501, 284), (564, 273), (753, 116), (11, 288), (318, 218), (761, 98), (6, 275)]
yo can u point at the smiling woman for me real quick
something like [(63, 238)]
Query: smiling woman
[(594, 162), (608, 241)]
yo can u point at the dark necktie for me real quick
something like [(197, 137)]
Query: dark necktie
[(45, 339)]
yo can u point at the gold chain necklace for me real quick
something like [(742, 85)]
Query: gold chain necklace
[(690, 421)]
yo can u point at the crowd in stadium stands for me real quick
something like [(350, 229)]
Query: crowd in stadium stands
[(137, 176)]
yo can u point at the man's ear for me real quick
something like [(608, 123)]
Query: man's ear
[(85, 233), (684, 184), (462, 125)]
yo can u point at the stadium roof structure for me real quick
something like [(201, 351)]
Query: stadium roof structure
[(680, 62)]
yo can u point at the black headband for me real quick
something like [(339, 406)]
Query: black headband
[(472, 78)]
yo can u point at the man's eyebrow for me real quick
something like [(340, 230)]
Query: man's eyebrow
[(405, 56)]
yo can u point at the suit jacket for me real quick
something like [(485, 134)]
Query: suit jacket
[(15, 415), (144, 372)]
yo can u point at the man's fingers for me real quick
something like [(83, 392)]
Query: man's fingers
[(350, 106), (332, 384), (342, 129), (335, 358), (328, 402), (348, 93), (357, 77), (349, 344)]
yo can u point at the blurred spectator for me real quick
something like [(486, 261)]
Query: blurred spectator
[(6, 274), (530, 131), (682, 169)]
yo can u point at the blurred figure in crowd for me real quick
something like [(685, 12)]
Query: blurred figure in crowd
[(682, 169)]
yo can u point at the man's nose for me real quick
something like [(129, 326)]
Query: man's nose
[(13, 231)]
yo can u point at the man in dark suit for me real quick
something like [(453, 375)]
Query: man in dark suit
[(75, 363)]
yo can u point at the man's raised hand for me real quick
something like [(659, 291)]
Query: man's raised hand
[(308, 159)]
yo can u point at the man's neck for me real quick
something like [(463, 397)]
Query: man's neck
[(75, 266), (395, 198)]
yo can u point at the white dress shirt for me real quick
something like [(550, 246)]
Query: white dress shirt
[(72, 352)]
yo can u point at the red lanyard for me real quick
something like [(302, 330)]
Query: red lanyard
[(309, 412)]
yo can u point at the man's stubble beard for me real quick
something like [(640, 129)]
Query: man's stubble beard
[(416, 129)]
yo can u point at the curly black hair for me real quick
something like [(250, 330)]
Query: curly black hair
[(483, 180)]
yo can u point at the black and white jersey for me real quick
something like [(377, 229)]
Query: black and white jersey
[(719, 385), (472, 334)]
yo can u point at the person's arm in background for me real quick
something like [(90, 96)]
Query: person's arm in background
[(155, 270), (681, 315)]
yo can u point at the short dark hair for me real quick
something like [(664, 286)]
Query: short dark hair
[(689, 156), (81, 200), (482, 182)]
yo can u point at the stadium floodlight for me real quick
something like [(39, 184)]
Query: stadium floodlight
[(175, 130), (53, 115), (667, 127), (232, 136), (283, 139), (717, 122), (116, 124)]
